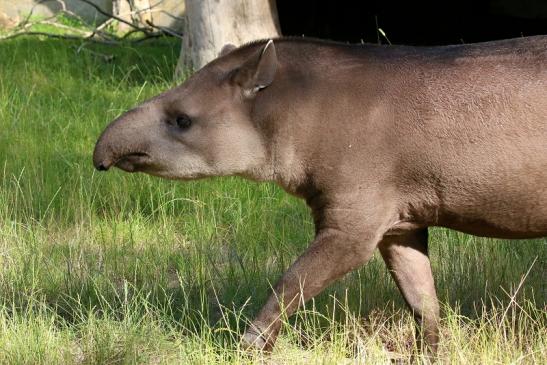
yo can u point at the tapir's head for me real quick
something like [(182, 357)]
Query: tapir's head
[(203, 127)]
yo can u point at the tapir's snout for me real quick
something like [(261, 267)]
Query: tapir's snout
[(101, 159), (123, 144), (101, 167)]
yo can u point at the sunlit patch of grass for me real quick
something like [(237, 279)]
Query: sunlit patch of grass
[(131, 329)]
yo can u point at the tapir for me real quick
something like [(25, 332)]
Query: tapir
[(382, 142)]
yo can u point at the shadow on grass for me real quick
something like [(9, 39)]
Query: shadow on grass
[(206, 283)]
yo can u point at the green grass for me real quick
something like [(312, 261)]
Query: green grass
[(118, 268)]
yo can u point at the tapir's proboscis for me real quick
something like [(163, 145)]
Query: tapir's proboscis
[(381, 141)]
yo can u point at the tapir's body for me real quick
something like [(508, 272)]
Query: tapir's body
[(382, 142)]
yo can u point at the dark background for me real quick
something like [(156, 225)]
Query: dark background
[(413, 22)]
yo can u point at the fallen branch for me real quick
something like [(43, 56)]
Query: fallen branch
[(96, 35), (105, 57), (25, 21), (179, 18), (58, 36), (80, 38), (166, 30), (146, 31), (26, 24), (112, 16)]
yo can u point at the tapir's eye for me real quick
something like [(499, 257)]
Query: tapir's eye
[(184, 121)]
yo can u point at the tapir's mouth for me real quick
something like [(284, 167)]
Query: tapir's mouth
[(132, 162)]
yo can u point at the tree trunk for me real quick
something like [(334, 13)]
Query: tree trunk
[(210, 24)]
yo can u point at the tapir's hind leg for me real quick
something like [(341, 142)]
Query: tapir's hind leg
[(407, 259)]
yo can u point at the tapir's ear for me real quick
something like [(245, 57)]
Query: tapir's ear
[(258, 72), (227, 48)]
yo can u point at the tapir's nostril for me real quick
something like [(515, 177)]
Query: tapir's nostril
[(102, 167)]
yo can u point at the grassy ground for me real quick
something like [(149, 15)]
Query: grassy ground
[(117, 268)]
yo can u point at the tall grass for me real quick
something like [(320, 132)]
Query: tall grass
[(119, 268)]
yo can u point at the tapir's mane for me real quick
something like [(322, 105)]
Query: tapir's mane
[(310, 43), (293, 47), (504, 48), (304, 40)]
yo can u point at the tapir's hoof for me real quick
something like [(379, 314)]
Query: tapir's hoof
[(255, 339)]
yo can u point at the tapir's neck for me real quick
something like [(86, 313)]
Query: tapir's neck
[(287, 140), (303, 125), (288, 166), (283, 165)]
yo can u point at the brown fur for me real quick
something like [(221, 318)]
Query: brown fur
[(382, 142)]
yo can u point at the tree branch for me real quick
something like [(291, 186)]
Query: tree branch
[(112, 16), (105, 37), (58, 36), (80, 38), (40, 2), (165, 29)]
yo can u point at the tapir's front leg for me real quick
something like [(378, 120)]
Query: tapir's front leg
[(408, 261), (333, 253)]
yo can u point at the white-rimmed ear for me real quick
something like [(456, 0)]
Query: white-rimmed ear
[(227, 48), (258, 72)]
